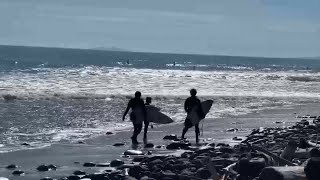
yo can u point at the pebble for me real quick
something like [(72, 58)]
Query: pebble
[(73, 177), (148, 145), (109, 133), (118, 144), (18, 173), (25, 144), (79, 172), (170, 137), (47, 178), (12, 166), (178, 145), (103, 165), (89, 164), (133, 152)]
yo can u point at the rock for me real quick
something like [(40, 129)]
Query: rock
[(109, 133), (136, 171), (232, 130), (12, 166), (148, 145), (73, 177), (178, 145), (312, 168), (116, 163), (314, 152), (139, 159), (283, 173), (103, 165), (79, 172), (118, 144), (42, 168), (18, 173), (47, 178), (170, 137), (63, 178), (225, 149), (89, 164), (3, 178), (236, 139), (289, 151), (155, 162), (159, 146), (203, 173), (133, 152), (9, 97), (96, 176), (52, 167)]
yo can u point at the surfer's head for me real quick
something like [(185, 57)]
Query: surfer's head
[(148, 100), (137, 94), (193, 92)]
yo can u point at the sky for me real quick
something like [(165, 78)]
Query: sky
[(269, 28)]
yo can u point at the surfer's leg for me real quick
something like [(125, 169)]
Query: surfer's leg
[(146, 124), (187, 125), (137, 130), (197, 130)]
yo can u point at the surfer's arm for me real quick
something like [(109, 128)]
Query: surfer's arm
[(126, 111), (185, 106)]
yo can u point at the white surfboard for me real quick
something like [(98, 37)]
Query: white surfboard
[(193, 115), (154, 115)]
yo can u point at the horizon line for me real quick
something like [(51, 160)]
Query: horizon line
[(150, 52)]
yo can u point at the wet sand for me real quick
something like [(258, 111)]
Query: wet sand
[(100, 149)]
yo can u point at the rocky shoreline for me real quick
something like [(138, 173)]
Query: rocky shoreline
[(266, 153)]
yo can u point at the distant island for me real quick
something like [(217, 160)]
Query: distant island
[(110, 49)]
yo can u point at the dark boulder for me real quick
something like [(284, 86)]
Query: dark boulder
[(312, 168), (43, 168), (203, 173), (116, 163), (89, 164)]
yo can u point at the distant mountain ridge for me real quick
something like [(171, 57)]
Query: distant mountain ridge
[(111, 49)]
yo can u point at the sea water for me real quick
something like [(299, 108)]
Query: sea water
[(67, 95)]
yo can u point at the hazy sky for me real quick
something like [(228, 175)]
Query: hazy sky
[(284, 28)]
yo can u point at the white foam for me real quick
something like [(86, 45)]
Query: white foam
[(124, 81)]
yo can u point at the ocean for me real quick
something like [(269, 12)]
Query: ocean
[(68, 95)]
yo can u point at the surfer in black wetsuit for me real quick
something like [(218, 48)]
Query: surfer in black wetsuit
[(137, 115), (189, 104), (146, 121)]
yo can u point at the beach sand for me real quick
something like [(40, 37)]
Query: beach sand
[(70, 157)]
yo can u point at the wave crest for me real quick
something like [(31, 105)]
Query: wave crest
[(304, 78)]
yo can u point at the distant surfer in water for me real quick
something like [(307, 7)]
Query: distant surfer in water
[(189, 104), (137, 115)]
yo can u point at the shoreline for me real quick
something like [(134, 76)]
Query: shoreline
[(100, 149)]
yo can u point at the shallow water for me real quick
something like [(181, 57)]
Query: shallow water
[(68, 95)]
